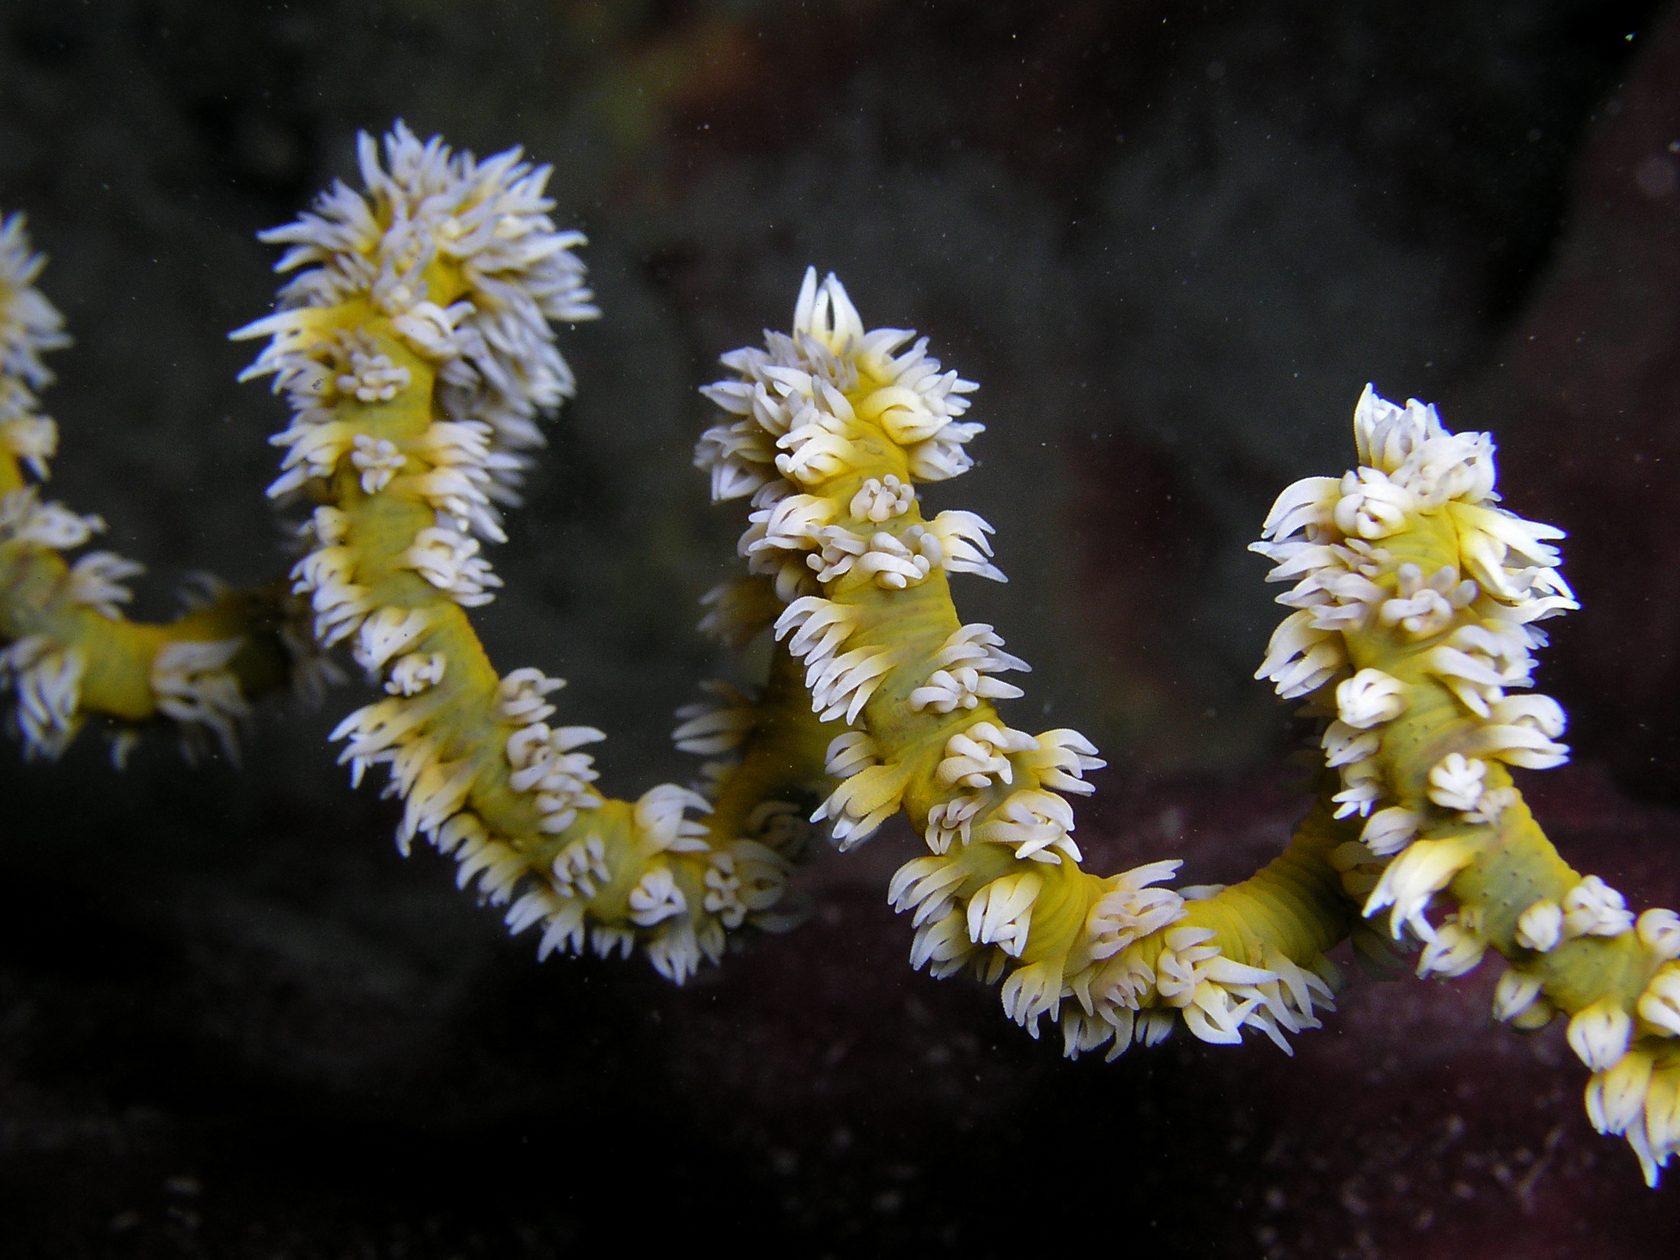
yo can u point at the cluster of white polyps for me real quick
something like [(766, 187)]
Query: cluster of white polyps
[(1468, 622), (459, 258), (1147, 971), (30, 325), (792, 413), (422, 206)]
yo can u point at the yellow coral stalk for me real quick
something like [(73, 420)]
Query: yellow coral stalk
[(1416, 600), (415, 349), (830, 428), (68, 652)]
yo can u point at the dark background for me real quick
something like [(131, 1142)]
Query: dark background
[(1172, 242)]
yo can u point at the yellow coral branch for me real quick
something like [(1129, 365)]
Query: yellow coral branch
[(1417, 600), (415, 349), (830, 427), (68, 652)]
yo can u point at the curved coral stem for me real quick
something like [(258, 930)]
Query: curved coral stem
[(416, 350), (830, 428), (1417, 600), (69, 653)]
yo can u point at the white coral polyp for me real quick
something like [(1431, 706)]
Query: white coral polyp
[(1370, 698)]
